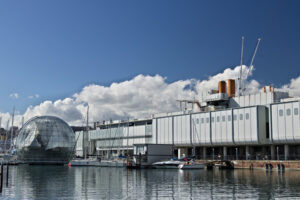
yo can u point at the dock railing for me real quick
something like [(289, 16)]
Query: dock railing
[(249, 157)]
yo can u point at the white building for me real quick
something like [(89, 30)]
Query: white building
[(255, 126)]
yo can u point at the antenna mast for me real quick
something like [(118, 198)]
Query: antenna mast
[(241, 69)]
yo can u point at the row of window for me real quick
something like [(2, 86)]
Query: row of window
[(288, 112), (202, 120), (247, 116)]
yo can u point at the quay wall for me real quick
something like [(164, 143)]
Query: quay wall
[(247, 164)]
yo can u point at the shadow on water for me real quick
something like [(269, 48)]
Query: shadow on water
[(62, 182)]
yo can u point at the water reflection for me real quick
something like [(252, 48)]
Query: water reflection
[(61, 182)]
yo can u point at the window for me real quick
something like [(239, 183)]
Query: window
[(218, 119), (288, 112), (212, 119), (241, 116), (223, 118), (197, 121), (229, 117), (207, 120), (296, 111), (202, 120), (280, 113), (247, 115), (234, 117)]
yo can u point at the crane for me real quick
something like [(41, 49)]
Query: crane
[(241, 79), (253, 57)]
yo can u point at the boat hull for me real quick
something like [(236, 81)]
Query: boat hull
[(191, 166)]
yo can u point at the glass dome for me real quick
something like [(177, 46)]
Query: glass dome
[(45, 140)]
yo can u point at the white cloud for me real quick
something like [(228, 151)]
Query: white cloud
[(14, 95), (141, 96), (34, 96), (293, 87)]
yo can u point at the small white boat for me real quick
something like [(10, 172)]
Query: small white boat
[(97, 163), (192, 165), (170, 164), (85, 162)]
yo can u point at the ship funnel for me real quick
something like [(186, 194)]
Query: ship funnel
[(231, 88), (222, 87)]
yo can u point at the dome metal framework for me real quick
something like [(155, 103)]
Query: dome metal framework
[(45, 140)]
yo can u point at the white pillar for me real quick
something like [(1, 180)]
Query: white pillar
[(225, 153), (286, 152), (194, 151), (182, 152), (247, 152), (272, 152), (204, 152)]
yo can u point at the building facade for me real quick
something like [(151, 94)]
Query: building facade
[(265, 125)]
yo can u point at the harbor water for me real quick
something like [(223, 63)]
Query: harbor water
[(63, 182)]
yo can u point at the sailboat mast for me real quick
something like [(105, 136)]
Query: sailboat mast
[(12, 129), (86, 134), (5, 142), (22, 121)]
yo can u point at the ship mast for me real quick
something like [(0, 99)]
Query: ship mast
[(241, 69)]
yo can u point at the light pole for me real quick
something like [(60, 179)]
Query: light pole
[(277, 149)]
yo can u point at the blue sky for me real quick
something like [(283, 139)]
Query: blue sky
[(55, 48)]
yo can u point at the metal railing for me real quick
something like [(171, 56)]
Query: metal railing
[(249, 157)]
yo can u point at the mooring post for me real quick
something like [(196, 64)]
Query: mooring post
[(1, 178), (7, 174)]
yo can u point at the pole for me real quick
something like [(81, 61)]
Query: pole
[(1, 183), (86, 134), (253, 57), (6, 135), (7, 172), (241, 70), (12, 130)]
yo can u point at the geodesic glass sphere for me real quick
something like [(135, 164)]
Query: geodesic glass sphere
[(45, 140)]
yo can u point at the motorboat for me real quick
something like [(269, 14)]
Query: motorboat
[(191, 165), (169, 164)]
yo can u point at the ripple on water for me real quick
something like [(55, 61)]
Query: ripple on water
[(62, 182)]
